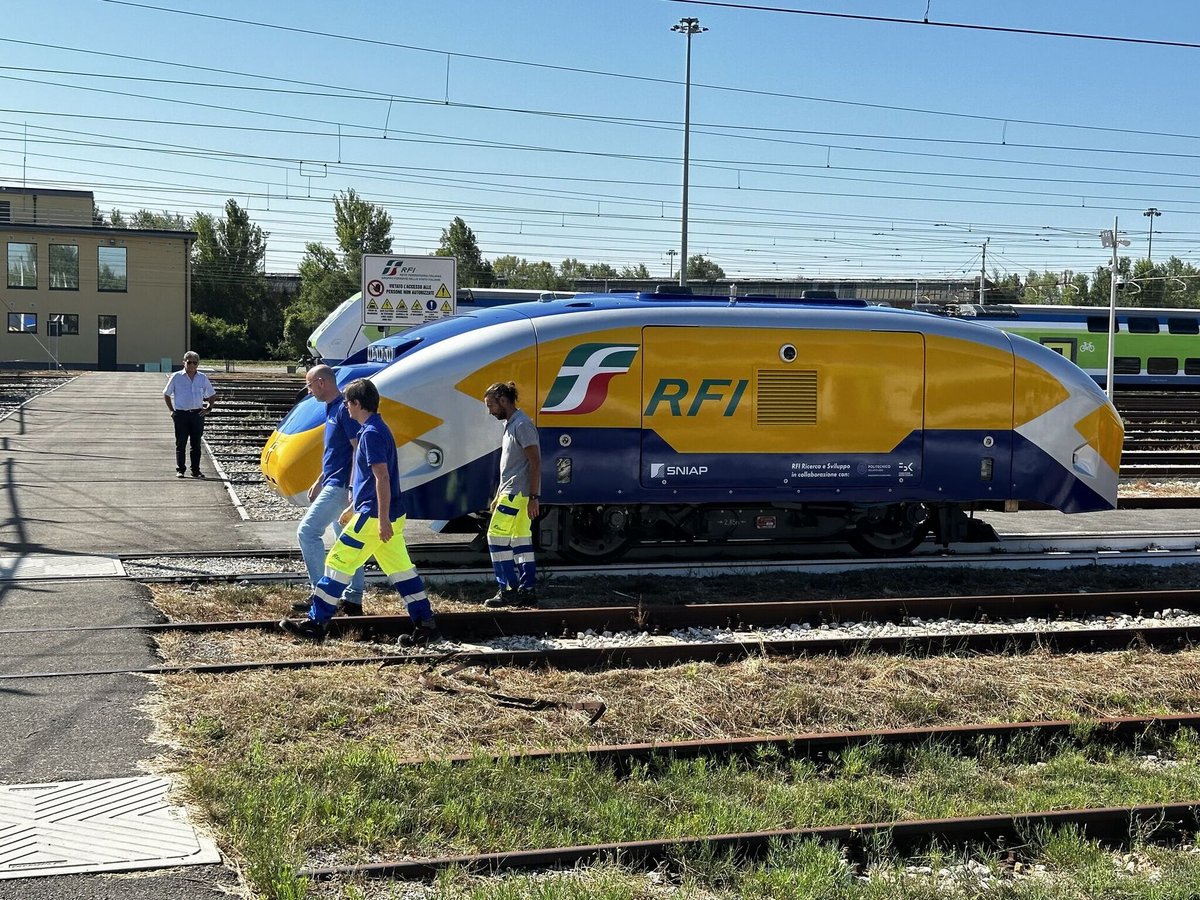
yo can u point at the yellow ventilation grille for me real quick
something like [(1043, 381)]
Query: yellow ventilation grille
[(786, 398)]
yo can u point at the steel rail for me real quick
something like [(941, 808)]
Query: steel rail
[(1165, 638), (1113, 824), (671, 616), (820, 744)]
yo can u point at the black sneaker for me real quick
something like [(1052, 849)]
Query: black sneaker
[(502, 597), (199, 475), (525, 597), (305, 629), (353, 610), (422, 635)]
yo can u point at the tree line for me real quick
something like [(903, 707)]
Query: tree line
[(236, 315)]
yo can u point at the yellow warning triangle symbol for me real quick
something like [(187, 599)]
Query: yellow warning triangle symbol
[(387, 304), (445, 307), (372, 307), (416, 306), (442, 293)]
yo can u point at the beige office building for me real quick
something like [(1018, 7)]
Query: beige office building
[(87, 297)]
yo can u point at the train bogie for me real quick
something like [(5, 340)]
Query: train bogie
[(669, 419)]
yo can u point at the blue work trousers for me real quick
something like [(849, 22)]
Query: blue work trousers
[(324, 512)]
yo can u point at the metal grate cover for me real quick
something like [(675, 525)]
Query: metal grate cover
[(108, 825), (786, 398)]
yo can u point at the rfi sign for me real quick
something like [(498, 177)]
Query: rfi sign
[(407, 290)]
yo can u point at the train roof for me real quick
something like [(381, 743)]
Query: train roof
[(675, 308)]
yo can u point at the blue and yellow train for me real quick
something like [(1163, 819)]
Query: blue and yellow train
[(680, 418)]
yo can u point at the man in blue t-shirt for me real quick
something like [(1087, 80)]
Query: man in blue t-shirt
[(330, 493), (373, 526)]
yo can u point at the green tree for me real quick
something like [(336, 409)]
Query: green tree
[(227, 278), (571, 269), (638, 271), (144, 219), (521, 273), (700, 268), (163, 221), (361, 227), (324, 284), (459, 241)]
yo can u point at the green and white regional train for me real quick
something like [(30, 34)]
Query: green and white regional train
[(1154, 347)]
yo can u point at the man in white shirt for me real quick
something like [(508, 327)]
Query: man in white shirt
[(189, 396)]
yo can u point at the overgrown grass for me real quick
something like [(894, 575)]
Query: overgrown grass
[(356, 802)]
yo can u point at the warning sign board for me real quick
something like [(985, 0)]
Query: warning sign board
[(408, 290)]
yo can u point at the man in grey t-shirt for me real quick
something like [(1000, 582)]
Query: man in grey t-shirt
[(510, 532)]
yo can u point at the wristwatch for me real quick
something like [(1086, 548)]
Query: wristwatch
[(535, 496)]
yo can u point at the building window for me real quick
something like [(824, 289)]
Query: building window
[(22, 323), (112, 273), (107, 324), (22, 265), (64, 267), (62, 323), (5, 210)]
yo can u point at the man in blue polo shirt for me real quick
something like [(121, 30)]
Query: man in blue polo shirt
[(373, 526), (330, 493)]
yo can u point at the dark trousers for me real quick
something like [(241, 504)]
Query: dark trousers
[(188, 423)]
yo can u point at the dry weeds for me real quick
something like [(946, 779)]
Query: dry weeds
[(299, 711), (294, 714)]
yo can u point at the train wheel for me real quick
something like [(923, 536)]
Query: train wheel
[(898, 532), (595, 534)]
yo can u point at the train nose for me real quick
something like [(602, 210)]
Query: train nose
[(291, 462), (1104, 436)]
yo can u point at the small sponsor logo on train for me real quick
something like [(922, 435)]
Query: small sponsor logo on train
[(661, 470)]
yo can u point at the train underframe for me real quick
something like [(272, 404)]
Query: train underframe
[(593, 533)]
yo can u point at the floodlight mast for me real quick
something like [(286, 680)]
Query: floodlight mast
[(687, 27), (1112, 239)]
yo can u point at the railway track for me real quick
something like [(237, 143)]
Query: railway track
[(1115, 825), (673, 634)]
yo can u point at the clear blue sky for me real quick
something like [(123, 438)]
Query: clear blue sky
[(820, 146)]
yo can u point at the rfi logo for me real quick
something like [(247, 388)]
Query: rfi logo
[(581, 385), (394, 267)]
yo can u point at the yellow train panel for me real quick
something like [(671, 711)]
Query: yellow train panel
[(1103, 430), (1037, 392), (406, 423), (293, 461), (737, 391), (967, 385), (519, 367)]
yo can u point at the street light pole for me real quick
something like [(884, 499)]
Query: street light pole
[(1151, 214), (671, 263), (1112, 239), (688, 27)]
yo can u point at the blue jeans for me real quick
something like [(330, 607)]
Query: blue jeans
[(311, 534)]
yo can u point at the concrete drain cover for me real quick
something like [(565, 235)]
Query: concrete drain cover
[(40, 566), (109, 825)]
